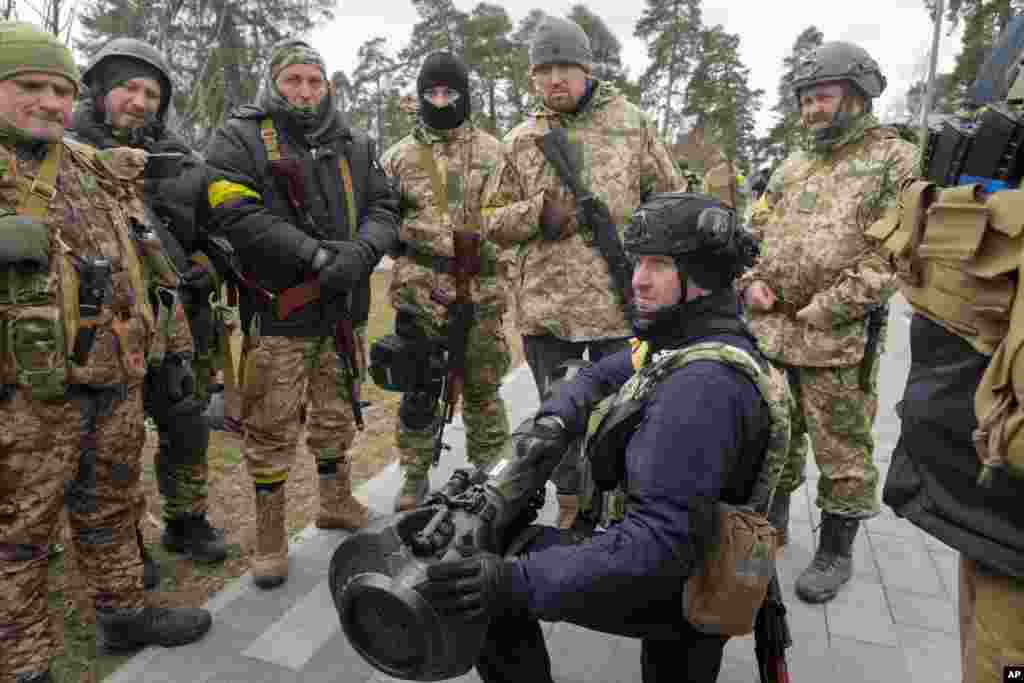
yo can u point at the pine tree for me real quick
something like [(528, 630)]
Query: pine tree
[(785, 135), (719, 96), (672, 31)]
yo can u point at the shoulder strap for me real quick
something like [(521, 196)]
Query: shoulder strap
[(774, 389), (350, 196), (269, 135), (36, 194), (427, 163)]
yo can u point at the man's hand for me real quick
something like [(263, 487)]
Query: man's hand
[(198, 278), (758, 296), (474, 588), (815, 316), (352, 262), (555, 217)]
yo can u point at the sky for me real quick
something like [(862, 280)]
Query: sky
[(897, 33)]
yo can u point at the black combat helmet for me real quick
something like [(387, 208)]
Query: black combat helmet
[(97, 76), (698, 231), (840, 61)]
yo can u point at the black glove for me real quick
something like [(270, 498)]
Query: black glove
[(198, 279), (473, 588), (353, 262), (542, 436), (555, 218)]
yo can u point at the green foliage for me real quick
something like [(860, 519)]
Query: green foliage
[(787, 134), (672, 31), (719, 97)]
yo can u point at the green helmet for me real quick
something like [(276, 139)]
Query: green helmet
[(132, 49), (840, 61)]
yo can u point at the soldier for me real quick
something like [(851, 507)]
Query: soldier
[(447, 149), (957, 471), (79, 334), (816, 299), (566, 304), (129, 95), (302, 199), (676, 435)]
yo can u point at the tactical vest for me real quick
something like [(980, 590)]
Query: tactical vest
[(38, 338), (613, 421), (959, 258)]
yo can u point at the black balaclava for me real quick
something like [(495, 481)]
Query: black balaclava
[(444, 68)]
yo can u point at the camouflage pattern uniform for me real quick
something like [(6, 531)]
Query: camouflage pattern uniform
[(466, 156), (814, 252), (564, 289), (89, 216)]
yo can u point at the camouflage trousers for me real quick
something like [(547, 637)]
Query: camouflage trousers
[(991, 622), (40, 445), (283, 375), (837, 414), (182, 468), (483, 410)]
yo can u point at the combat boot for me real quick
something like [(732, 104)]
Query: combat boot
[(778, 515), (832, 565), (124, 630), (413, 490), (192, 535), (338, 507), (270, 559), (568, 508), (34, 677)]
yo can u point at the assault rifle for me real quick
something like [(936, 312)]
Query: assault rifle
[(298, 296), (461, 313), (555, 147)]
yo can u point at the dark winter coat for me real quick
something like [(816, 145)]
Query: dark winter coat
[(275, 244)]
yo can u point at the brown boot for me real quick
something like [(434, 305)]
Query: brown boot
[(270, 560), (568, 508), (338, 507)]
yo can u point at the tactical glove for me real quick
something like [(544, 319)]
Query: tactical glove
[(541, 437), (353, 262), (477, 587), (198, 279)]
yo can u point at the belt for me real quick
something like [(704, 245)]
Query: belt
[(446, 264)]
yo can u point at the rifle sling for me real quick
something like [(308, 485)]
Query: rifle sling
[(437, 184)]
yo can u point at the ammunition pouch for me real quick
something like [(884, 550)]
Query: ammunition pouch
[(729, 581), (33, 353), (984, 151)]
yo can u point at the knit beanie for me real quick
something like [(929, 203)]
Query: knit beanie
[(560, 41), (25, 48)]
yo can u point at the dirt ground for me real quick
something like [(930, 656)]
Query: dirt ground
[(231, 508)]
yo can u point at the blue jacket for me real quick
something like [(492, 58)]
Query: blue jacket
[(702, 436)]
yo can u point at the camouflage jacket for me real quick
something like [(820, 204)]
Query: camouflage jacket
[(814, 251), (464, 158), (562, 287), (90, 217)]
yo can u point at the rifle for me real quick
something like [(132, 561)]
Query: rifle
[(461, 313), (554, 145)]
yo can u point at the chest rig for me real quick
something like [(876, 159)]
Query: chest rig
[(614, 420)]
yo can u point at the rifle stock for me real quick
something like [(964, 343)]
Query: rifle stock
[(554, 145)]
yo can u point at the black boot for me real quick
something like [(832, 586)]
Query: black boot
[(778, 515), (832, 565), (124, 630), (35, 677), (193, 536)]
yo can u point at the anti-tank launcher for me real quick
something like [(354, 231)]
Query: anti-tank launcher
[(373, 573)]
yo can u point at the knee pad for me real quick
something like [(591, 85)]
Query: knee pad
[(188, 437), (418, 410)]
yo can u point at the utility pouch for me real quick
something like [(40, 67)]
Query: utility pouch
[(34, 352), (402, 364), (730, 578)]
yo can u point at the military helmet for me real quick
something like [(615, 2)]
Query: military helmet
[(133, 49), (840, 61), (698, 231)]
